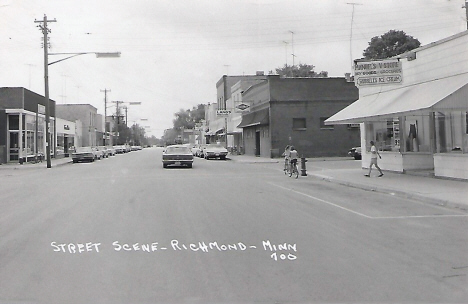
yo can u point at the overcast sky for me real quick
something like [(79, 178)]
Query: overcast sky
[(174, 51)]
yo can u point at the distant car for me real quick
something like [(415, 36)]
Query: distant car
[(214, 151), (111, 150), (177, 155), (104, 151), (83, 154), (119, 149), (195, 150), (98, 154), (355, 152)]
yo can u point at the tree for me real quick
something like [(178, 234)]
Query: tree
[(390, 44), (301, 70), (186, 119)]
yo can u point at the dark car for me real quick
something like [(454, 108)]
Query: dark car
[(83, 154), (355, 152), (177, 155)]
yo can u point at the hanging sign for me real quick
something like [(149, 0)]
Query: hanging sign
[(223, 112)]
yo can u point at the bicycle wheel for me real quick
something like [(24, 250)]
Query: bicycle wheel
[(296, 172), (290, 172)]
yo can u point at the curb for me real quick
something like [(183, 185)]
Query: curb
[(32, 166), (415, 196)]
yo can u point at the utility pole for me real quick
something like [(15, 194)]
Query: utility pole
[(351, 35), (292, 46), (45, 31), (105, 114), (126, 116), (466, 11), (286, 49), (117, 114)]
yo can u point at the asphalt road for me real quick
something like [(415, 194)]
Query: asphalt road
[(125, 230)]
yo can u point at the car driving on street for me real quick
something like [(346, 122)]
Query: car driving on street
[(177, 155)]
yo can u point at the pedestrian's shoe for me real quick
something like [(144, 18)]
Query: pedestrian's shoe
[(367, 175), (381, 174)]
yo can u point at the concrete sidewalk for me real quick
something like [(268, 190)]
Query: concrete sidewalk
[(27, 166), (348, 172)]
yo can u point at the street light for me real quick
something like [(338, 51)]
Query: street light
[(98, 55), (45, 30)]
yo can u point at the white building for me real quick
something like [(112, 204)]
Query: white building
[(414, 107)]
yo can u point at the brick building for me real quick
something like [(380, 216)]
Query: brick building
[(288, 111)]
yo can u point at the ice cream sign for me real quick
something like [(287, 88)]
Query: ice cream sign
[(378, 72)]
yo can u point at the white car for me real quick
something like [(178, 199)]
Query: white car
[(214, 151)]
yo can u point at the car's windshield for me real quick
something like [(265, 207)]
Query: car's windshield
[(214, 146), (174, 150), (83, 149)]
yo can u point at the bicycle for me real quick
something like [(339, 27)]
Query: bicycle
[(293, 171), (286, 166)]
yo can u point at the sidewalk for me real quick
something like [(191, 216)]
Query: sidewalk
[(26, 166), (348, 172)]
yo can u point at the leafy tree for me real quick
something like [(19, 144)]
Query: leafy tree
[(186, 119), (301, 70), (390, 44)]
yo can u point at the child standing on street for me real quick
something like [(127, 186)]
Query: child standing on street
[(374, 154)]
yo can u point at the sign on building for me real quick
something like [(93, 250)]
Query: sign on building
[(223, 113), (241, 108), (378, 72)]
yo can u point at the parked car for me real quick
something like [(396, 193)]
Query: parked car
[(177, 155), (195, 150), (214, 151), (119, 149), (355, 152), (104, 151), (200, 151), (98, 154), (83, 154), (111, 150)]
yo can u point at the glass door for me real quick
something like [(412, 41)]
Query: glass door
[(13, 146)]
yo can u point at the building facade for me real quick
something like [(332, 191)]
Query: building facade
[(23, 125), (91, 123), (222, 125), (419, 118), (292, 111)]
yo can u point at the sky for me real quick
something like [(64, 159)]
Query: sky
[(174, 51)]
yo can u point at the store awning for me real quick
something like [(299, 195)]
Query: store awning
[(214, 132), (444, 94), (261, 117)]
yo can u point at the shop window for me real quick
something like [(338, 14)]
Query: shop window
[(299, 124), (13, 122), (451, 132), (384, 135), (323, 126)]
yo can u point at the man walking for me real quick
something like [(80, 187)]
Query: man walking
[(374, 154)]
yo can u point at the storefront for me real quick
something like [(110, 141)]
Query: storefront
[(65, 137), (22, 125), (418, 114)]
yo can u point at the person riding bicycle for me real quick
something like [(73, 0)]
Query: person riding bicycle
[(292, 155), (286, 158)]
